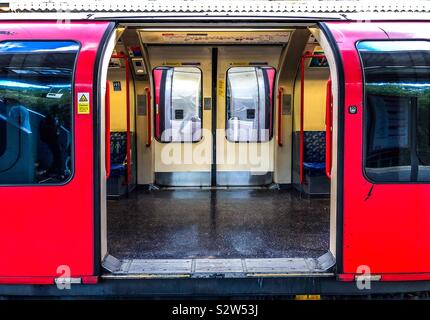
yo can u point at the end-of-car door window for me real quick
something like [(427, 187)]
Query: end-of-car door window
[(397, 110), (249, 104), (36, 111), (178, 104)]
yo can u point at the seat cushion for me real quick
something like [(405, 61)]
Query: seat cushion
[(118, 147), (314, 151), (117, 169), (118, 153)]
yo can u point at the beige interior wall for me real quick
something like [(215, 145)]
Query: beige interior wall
[(315, 98), (290, 59), (145, 163), (118, 100), (263, 159), (179, 156)]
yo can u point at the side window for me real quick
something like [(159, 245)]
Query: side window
[(178, 104), (2, 129), (36, 111), (249, 104), (397, 110)]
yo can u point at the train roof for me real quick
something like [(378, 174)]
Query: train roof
[(251, 10)]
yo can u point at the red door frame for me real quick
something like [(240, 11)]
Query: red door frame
[(382, 226), (44, 227)]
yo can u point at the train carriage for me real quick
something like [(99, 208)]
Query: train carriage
[(186, 152)]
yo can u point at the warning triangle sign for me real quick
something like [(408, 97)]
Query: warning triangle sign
[(83, 98)]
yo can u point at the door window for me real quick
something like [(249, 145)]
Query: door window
[(178, 104), (397, 110), (36, 111), (249, 104)]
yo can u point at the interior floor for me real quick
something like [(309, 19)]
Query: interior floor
[(232, 223)]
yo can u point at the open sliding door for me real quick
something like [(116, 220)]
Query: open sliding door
[(47, 165), (384, 149)]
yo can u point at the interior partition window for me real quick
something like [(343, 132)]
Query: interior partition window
[(178, 104), (249, 104), (36, 111), (397, 110)]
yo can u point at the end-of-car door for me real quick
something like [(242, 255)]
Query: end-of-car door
[(384, 150), (47, 221)]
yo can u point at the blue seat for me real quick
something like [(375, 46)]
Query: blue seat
[(314, 152), (118, 153)]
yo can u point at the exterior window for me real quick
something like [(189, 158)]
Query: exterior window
[(178, 104), (2, 133), (36, 111), (397, 110), (249, 104)]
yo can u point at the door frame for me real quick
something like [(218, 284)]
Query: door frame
[(104, 53)]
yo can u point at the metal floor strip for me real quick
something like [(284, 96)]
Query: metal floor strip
[(149, 268)]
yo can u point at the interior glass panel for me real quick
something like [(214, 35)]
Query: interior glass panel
[(249, 104), (178, 104)]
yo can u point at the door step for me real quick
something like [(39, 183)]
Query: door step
[(222, 268), (272, 186)]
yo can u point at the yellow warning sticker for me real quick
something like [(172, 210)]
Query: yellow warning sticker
[(83, 103), (172, 63), (221, 87)]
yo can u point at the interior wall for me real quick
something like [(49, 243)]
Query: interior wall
[(118, 101), (281, 161), (144, 150), (315, 97), (118, 112), (145, 174), (263, 161), (288, 67), (178, 157)]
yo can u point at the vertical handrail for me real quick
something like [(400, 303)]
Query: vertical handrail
[(302, 107), (302, 113), (149, 115), (280, 93), (127, 89), (107, 130), (328, 129)]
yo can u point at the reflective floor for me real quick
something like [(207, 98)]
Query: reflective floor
[(168, 224)]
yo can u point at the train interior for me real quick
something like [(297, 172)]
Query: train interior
[(217, 153)]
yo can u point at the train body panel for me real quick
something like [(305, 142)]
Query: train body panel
[(385, 223), (44, 227), (54, 214)]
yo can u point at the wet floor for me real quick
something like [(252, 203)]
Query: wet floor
[(167, 224)]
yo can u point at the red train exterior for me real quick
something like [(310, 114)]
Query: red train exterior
[(34, 245), (384, 226)]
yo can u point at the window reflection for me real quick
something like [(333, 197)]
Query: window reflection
[(36, 111), (249, 104), (397, 86), (178, 104)]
